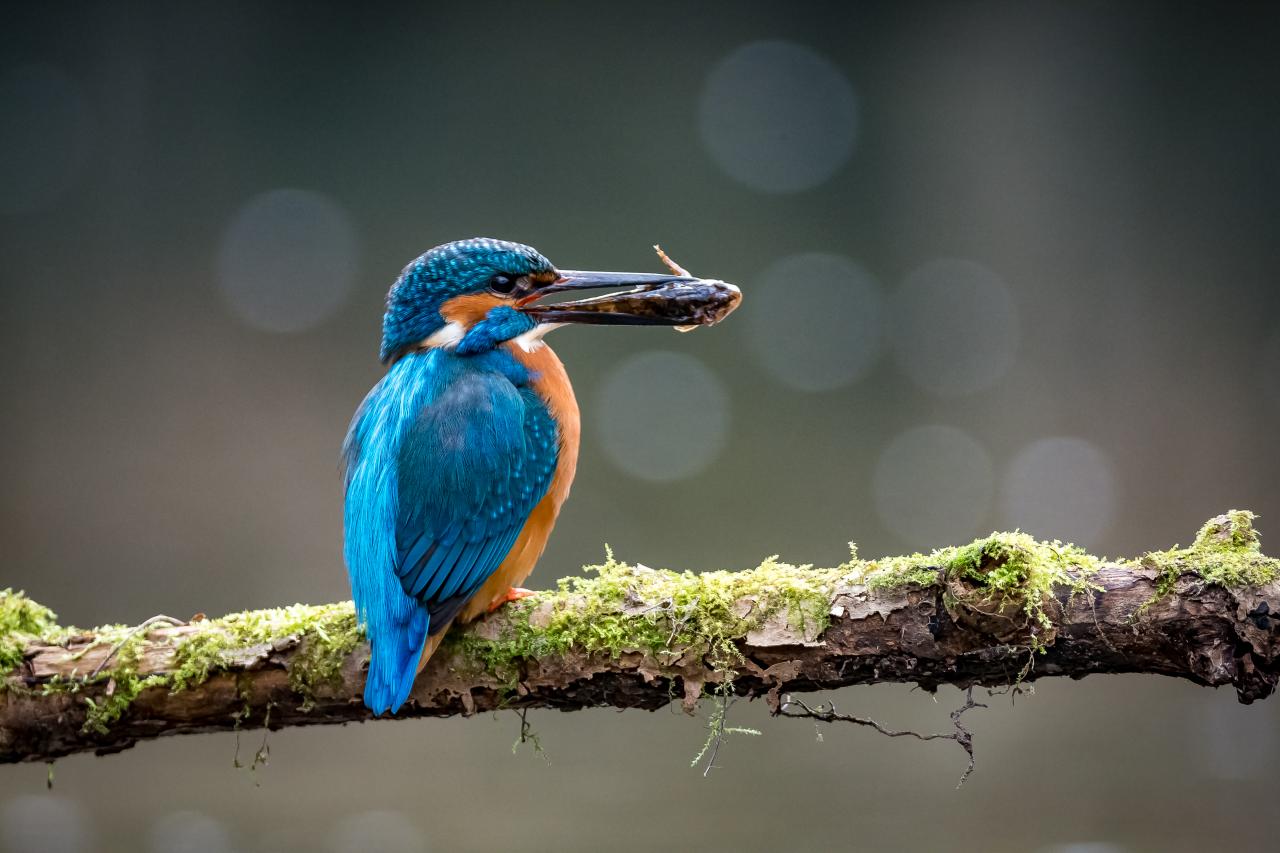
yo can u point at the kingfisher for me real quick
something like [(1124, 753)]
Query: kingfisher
[(459, 459)]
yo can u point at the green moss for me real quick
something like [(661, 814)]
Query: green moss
[(621, 608), (1012, 572), (327, 632), (891, 574), (1015, 564), (20, 619), (1004, 562), (1007, 577), (1227, 551), (1013, 569)]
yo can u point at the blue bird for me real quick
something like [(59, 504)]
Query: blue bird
[(458, 461)]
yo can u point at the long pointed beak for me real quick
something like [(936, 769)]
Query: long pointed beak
[(651, 300)]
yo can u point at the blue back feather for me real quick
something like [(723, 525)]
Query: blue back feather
[(445, 459)]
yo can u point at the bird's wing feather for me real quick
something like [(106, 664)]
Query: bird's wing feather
[(471, 467)]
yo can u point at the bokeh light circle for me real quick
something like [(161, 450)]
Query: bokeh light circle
[(46, 131), (1060, 488), (815, 321), (778, 116), (288, 260), (189, 832), (44, 822), (380, 830), (955, 327), (933, 486), (662, 416)]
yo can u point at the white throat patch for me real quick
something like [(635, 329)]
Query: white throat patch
[(450, 335), (532, 340), (446, 336)]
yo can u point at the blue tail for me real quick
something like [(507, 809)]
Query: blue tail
[(393, 663)]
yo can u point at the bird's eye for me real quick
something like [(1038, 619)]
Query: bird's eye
[(502, 284)]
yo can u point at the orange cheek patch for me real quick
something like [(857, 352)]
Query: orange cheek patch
[(470, 309)]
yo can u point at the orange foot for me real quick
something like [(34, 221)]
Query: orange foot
[(514, 594)]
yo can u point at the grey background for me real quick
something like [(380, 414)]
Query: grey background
[(1044, 297)]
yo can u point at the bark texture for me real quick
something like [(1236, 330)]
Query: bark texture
[(1135, 617)]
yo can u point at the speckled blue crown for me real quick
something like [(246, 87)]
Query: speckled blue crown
[(449, 270)]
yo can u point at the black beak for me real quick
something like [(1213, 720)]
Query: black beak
[(650, 300)]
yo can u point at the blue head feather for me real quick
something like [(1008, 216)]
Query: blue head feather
[(453, 269)]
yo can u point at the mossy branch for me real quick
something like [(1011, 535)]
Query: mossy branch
[(1000, 610)]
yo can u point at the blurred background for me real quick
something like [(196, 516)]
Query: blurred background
[(1004, 265)]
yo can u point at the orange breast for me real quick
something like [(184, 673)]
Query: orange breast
[(552, 384)]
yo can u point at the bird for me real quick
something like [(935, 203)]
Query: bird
[(457, 462)]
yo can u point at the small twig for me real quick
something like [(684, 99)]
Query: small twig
[(717, 728), (828, 714), (264, 752), (528, 735), (526, 730), (146, 623), (264, 749), (634, 599)]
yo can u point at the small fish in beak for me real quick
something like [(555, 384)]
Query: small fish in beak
[(678, 300)]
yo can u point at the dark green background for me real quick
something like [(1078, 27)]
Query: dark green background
[(1115, 166)]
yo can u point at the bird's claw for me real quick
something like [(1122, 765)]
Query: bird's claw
[(514, 594)]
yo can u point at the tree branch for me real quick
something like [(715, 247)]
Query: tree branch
[(996, 612)]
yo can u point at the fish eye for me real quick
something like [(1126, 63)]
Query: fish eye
[(503, 284)]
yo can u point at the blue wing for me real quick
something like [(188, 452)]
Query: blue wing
[(445, 460), (471, 468)]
